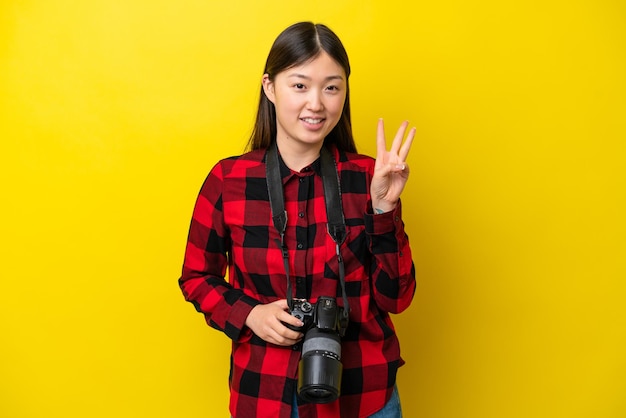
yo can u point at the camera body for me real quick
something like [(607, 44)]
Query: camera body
[(303, 310), (320, 368)]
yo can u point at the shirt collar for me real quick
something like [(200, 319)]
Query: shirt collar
[(286, 173)]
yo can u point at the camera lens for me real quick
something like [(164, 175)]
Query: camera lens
[(319, 371), (320, 395)]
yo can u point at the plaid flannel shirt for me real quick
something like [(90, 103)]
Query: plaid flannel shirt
[(232, 231)]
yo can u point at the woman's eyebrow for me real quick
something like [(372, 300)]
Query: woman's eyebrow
[(306, 77)]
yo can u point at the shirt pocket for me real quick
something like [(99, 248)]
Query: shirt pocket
[(355, 254), (356, 260)]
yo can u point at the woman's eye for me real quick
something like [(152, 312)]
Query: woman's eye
[(332, 88), (299, 86)]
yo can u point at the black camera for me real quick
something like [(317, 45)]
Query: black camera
[(320, 368)]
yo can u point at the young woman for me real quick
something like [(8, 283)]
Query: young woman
[(308, 231)]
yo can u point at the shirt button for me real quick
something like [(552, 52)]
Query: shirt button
[(301, 179), (300, 246), (301, 214)]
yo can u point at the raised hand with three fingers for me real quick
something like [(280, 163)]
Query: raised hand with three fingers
[(391, 170)]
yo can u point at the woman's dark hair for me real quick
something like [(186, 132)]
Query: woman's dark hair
[(296, 45)]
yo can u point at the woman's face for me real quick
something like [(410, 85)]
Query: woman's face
[(308, 99)]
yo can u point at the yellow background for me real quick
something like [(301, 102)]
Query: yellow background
[(112, 112)]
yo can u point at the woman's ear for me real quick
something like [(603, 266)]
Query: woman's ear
[(268, 87)]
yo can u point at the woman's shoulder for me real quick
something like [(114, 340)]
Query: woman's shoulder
[(354, 160), (241, 165)]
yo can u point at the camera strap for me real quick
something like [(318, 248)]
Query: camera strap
[(334, 212)]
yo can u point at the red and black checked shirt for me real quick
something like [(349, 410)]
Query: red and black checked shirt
[(232, 231)]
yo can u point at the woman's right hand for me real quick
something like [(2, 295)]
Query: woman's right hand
[(266, 321)]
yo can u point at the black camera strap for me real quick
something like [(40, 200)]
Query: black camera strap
[(334, 213)]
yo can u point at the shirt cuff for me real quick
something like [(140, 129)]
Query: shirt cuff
[(236, 328), (383, 223)]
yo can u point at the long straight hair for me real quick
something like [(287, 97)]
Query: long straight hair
[(296, 45)]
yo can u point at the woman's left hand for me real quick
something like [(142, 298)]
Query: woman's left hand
[(391, 170)]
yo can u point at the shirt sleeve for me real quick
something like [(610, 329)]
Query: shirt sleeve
[(392, 269), (205, 264)]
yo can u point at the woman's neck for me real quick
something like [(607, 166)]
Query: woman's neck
[(298, 156)]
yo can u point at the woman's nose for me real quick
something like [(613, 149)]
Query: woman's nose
[(315, 102)]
